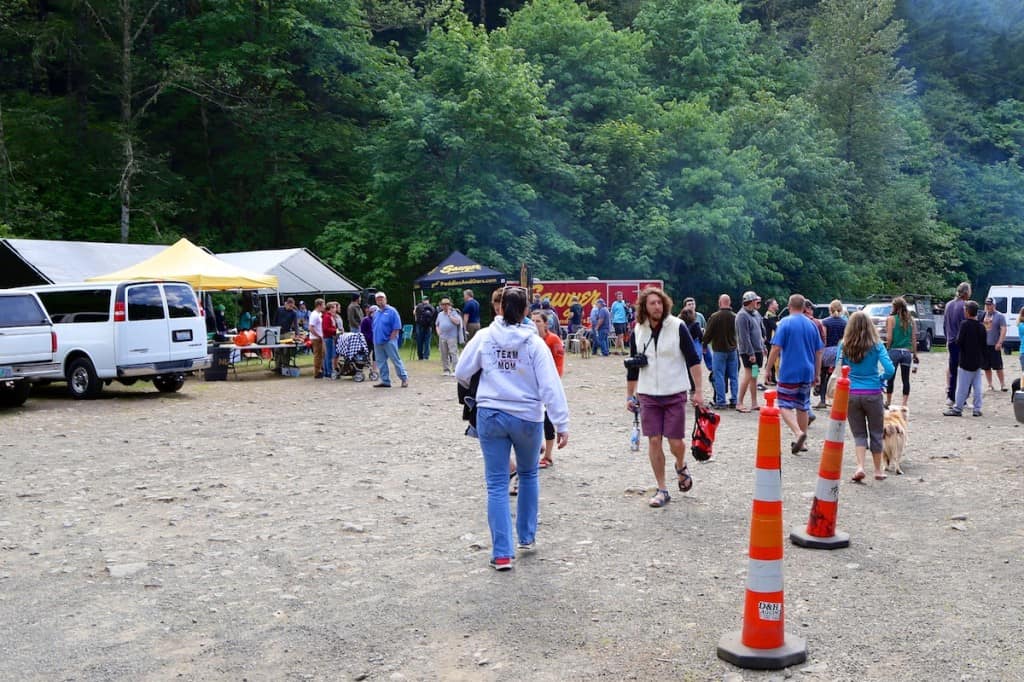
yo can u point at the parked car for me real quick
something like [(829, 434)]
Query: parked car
[(27, 345), (929, 326), (1009, 299), (821, 310), (126, 332)]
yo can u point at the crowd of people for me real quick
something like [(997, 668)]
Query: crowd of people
[(515, 366)]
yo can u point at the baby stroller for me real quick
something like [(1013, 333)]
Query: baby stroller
[(353, 357)]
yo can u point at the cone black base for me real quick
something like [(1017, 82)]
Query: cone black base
[(732, 650), (803, 539)]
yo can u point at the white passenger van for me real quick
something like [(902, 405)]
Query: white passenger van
[(1009, 299), (124, 331)]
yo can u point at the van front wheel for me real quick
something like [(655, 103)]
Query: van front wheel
[(82, 380), (169, 384)]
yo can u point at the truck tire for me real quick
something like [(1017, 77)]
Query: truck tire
[(925, 345), (83, 384), (169, 383), (14, 393)]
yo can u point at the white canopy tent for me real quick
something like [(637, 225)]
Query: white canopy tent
[(24, 262), (298, 271)]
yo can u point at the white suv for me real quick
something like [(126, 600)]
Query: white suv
[(125, 331)]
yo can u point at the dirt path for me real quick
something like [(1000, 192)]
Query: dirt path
[(286, 529)]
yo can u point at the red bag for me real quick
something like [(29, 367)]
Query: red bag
[(705, 425)]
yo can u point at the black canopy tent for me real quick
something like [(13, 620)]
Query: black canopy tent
[(458, 270)]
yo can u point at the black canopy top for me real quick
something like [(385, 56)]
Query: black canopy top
[(459, 270)]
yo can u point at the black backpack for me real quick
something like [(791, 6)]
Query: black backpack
[(467, 398), (424, 315)]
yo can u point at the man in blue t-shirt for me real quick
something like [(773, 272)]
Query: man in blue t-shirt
[(798, 346), (470, 314), (620, 322), (387, 324)]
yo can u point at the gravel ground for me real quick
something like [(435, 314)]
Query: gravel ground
[(280, 529)]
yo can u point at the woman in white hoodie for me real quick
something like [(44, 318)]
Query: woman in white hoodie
[(518, 381)]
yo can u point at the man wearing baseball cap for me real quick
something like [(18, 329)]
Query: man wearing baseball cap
[(750, 344), (995, 333)]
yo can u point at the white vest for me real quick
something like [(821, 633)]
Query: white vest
[(666, 372)]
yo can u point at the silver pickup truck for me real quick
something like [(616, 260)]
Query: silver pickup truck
[(27, 345)]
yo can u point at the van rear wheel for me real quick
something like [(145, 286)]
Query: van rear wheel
[(82, 380), (169, 384)]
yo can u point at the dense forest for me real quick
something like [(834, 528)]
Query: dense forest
[(834, 147)]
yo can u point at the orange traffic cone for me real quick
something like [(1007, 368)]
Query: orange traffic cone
[(821, 530), (763, 643)]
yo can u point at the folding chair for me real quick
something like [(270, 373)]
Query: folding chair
[(407, 337)]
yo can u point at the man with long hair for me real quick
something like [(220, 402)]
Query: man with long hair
[(660, 385)]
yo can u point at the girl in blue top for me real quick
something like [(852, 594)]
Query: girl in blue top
[(1020, 335), (863, 352)]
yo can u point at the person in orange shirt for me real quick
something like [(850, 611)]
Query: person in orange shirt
[(557, 348)]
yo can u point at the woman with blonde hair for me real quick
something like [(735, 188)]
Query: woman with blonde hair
[(901, 340), (834, 325), (864, 352)]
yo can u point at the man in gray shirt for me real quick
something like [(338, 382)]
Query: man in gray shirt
[(995, 333), (750, 345), (448, 325)]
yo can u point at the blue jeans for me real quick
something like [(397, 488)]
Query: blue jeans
[(602, 341), (423, 337), (330, 346), (498, 433), (725, 365), (389, 351)]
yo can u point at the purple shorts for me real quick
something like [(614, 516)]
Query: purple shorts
[(794, 396), (663, 415)]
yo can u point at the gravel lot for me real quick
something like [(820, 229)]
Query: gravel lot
[(270, 528)]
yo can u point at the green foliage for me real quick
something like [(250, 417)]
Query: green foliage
[(781, 145)]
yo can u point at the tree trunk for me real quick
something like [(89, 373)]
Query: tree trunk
[(125, 188)]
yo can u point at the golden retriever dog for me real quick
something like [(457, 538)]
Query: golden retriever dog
[(894, 437)]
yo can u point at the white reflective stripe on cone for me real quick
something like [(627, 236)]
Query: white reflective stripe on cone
[(768, 485), (836, 431), (826, 490), (764, 576)]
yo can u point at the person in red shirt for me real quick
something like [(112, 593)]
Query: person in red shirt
[(557, 348), (330, 326)]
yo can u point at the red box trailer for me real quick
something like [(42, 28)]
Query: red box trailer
[(560, 292)]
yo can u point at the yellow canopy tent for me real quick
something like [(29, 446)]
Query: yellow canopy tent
[(186, 262)]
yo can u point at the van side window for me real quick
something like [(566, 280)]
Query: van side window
[(145, 303), (181, 301), (1015, 305), (77, 305)]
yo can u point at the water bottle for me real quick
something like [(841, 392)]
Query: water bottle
[(913, 366), (755, 371), (634, 438)]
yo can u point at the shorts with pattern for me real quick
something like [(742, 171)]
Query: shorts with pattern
[(795, 396)]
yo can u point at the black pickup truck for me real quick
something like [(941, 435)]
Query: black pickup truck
[(27, 345)]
